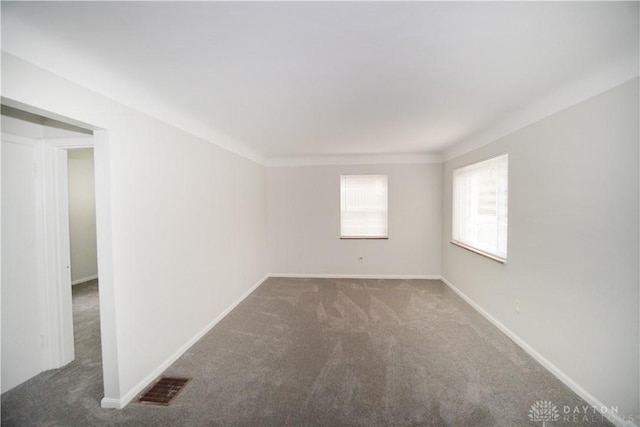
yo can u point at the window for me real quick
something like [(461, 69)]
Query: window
[(363, 206), (480, 208)]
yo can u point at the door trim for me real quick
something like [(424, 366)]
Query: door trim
[(103, 177), (57, 253)]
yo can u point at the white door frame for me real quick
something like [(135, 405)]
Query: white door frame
[(62, 328), (108, 327), (56, 239)]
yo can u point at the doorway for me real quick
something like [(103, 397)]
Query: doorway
[(37, 314), (82, 215), (83, 256)]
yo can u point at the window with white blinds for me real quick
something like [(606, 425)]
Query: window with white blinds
[(363, 206), (480, 206)]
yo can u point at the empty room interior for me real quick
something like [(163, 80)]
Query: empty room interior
[(320, 213)]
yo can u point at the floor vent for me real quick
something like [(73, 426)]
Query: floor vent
[(163, 391)]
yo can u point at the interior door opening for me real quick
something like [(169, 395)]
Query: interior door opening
[(83, 255), (44, 201)]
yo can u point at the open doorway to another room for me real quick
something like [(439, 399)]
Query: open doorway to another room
[(48, 244), (84, 260)]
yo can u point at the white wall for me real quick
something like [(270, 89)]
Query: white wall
[(187, 221), (304, 222), (573, 244), (82, 215), (21, 309)]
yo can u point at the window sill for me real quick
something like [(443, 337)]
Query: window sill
[(479, 252), (362, 238)]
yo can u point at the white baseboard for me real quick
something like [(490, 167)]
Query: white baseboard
[(573, 385), (109, 403), (356, 276), (137, 389), (84, 279)]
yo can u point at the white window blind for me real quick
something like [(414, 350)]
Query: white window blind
[(480, 206), (363, 206)]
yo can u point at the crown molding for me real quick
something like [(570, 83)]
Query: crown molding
[(355, 159)]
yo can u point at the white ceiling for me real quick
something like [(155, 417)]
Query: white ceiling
[(289, 80)]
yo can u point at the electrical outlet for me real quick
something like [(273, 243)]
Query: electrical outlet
[(517, 306), (361, 260)]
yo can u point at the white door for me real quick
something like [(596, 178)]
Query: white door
[(22, 335)]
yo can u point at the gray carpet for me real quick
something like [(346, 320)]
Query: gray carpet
[(319, 352)]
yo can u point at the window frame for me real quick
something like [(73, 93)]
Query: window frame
[(468, 245), (342, 210)]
